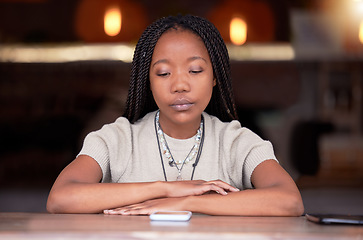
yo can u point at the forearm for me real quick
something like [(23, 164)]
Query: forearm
[(254, 202), (96, 197)]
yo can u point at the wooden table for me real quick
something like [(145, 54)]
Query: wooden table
[(99, 226)]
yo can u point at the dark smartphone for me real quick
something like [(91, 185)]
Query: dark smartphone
[(335, 219)]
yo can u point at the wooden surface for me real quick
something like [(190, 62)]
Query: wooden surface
[(99, 226)]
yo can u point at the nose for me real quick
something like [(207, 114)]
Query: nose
[(180, 83)]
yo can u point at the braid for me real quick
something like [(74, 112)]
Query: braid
[(140, 100)]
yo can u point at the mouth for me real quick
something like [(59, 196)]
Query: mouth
[(181, 105)]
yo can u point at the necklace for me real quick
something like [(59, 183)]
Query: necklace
[(164, 149)]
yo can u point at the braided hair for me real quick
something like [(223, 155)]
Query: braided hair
[(140, 100)]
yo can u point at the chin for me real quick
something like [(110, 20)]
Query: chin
[(185, 117)]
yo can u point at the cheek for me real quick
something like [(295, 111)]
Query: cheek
[(151, 83), (210, 83), (157, 92), (211, 87), (206, 89), (154, 86), (153, 89)]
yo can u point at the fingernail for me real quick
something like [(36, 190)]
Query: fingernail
[(125, 212)]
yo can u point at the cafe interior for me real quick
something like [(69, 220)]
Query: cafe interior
[(297, 72)]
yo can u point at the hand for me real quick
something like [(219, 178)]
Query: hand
[(148, 207), (176, 191), (197, 187)]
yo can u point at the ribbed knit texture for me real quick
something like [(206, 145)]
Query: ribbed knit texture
[(129, 152)]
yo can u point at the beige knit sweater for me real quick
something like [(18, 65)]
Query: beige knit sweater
[(129, 152)]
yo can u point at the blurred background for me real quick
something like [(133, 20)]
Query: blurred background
[(297, 70)]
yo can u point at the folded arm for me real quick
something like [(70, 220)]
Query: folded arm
[(78, 190), (275, 194)]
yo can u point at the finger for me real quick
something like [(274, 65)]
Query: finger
[(140, 211), (230, 188), (224, 185), (130, 211), (222, 188), (116, 211), (122, 210), (135, 209), (216, 188)]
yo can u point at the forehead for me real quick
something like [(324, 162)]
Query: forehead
[(182, 30), (176, 39)]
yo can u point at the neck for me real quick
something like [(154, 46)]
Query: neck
[(179, 130)]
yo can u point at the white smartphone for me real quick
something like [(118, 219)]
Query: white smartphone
[(171, 216)]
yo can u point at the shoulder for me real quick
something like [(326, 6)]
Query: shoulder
[(234, 139), (115, 142), (239, 147), (122, 128), (229, 130)]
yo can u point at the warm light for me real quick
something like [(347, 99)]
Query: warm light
[(66, 53), (361, 32), (112, 21), (238, 31)]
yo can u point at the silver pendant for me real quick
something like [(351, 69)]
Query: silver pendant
[(179, 178)]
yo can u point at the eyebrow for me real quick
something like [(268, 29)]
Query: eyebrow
[(160, 61), (196, 58), (189, 60)]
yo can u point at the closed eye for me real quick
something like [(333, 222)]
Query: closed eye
[(163, 74), (196, 71)]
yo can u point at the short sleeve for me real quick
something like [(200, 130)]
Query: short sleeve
[(260, 151), (109, 144), (244, 151)]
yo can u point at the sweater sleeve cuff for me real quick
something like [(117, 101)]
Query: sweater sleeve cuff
[(258, 154), (96, 148)]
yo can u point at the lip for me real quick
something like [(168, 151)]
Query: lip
[(181, 104)]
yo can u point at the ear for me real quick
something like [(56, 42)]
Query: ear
[(214, 82)]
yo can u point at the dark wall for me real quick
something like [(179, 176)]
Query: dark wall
[(45, 111)]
